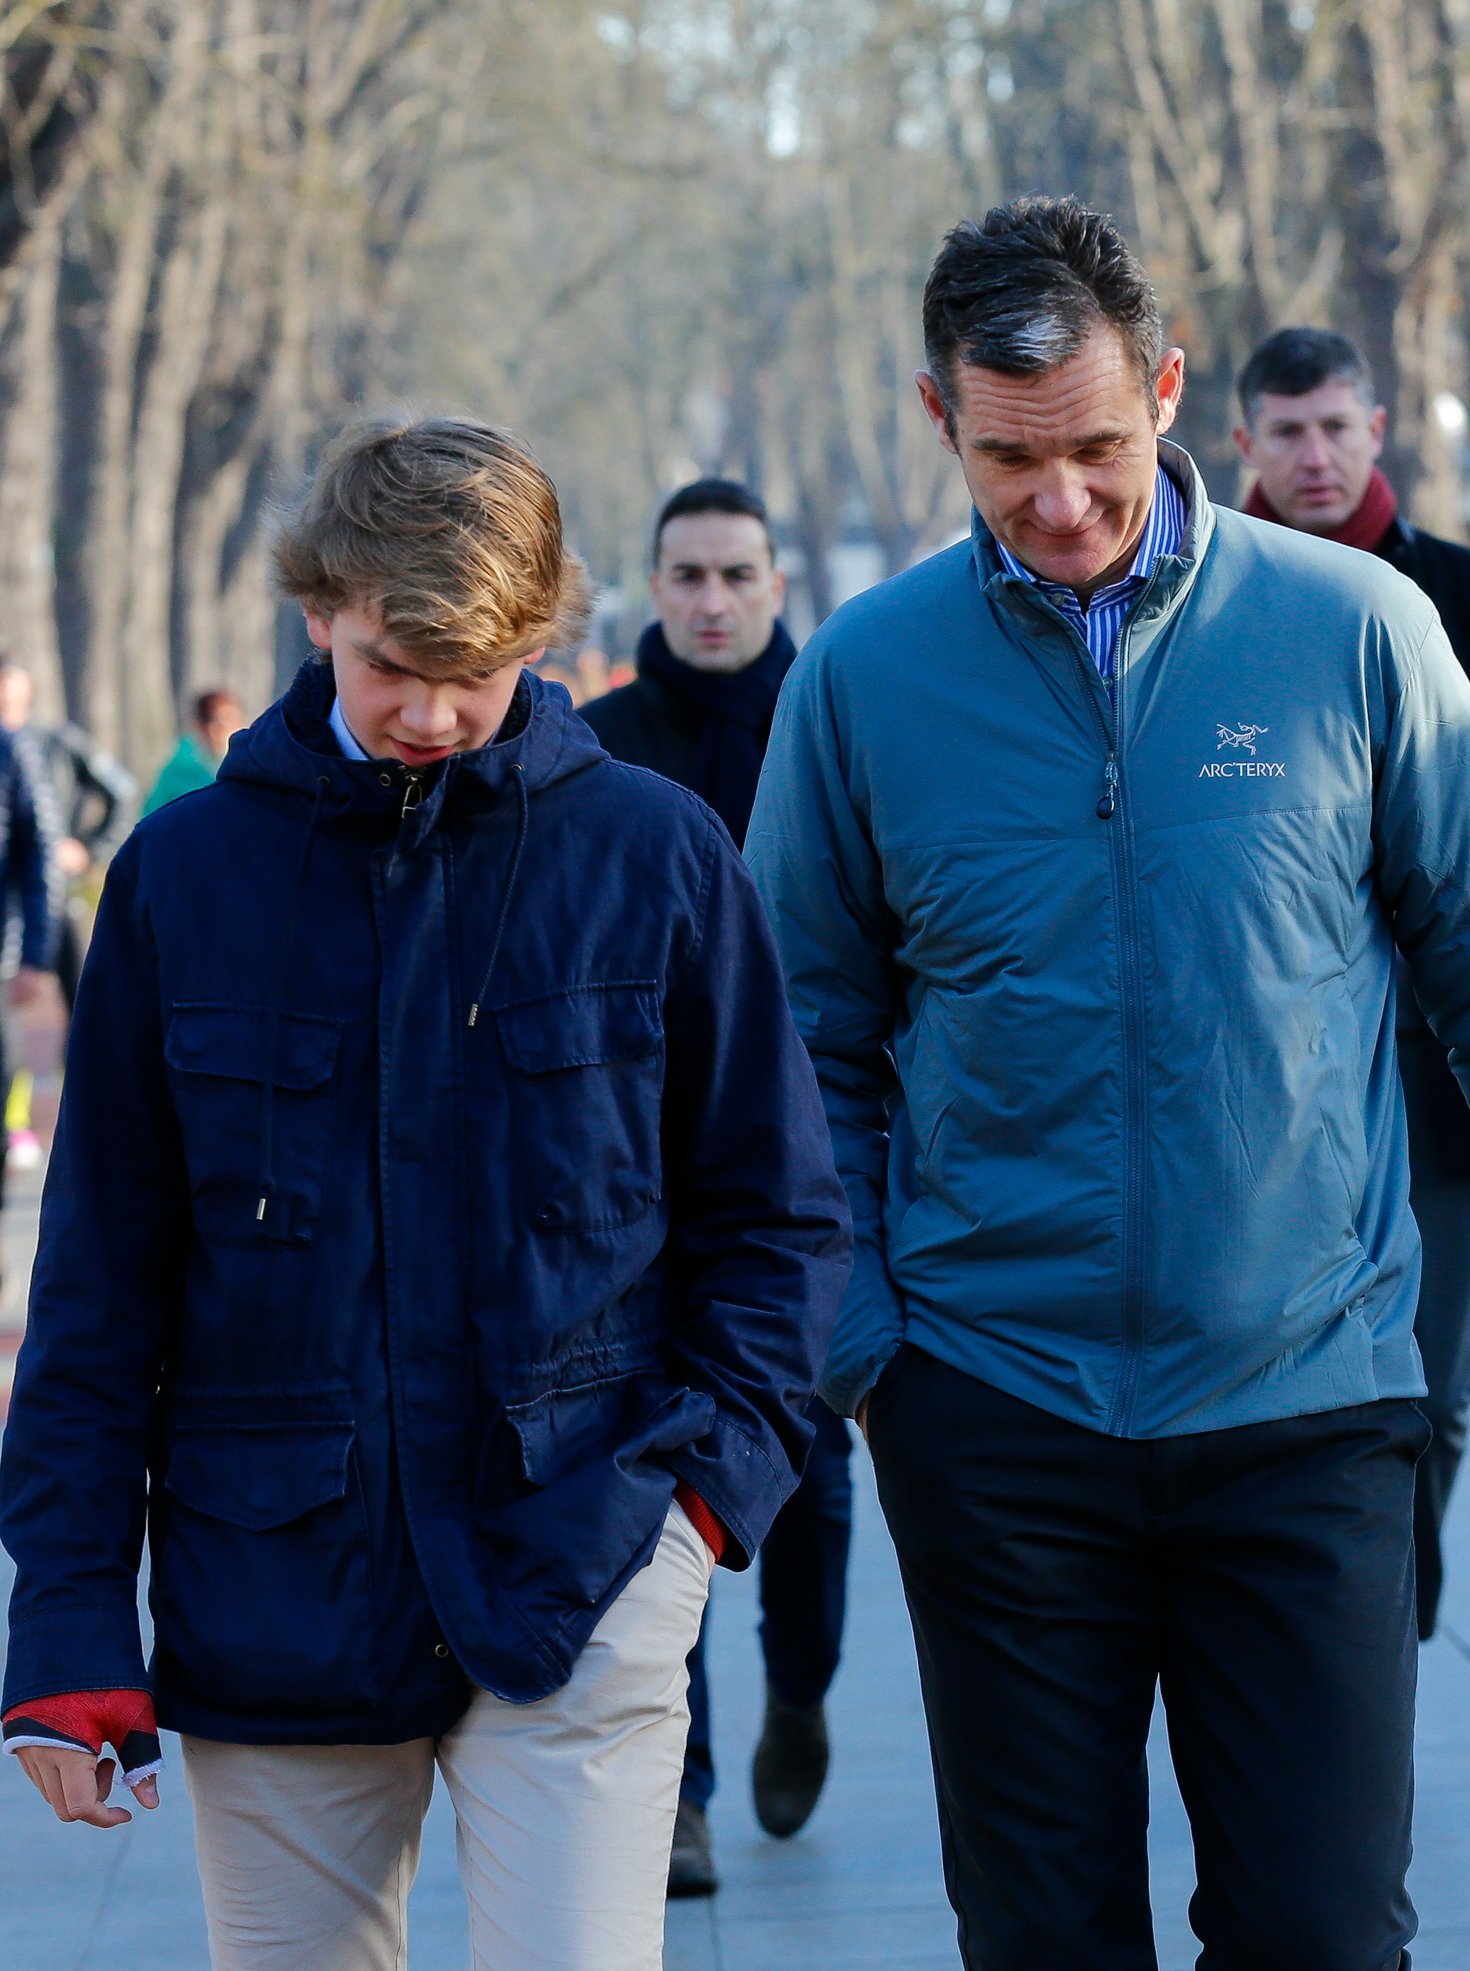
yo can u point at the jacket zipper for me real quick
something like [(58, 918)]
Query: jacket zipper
[(1110, 807), (413, 793)]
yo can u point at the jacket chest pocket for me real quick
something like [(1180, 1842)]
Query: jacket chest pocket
[(238, 1146), (585, 1072)]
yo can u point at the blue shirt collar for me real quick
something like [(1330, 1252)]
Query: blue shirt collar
[(343, 733)]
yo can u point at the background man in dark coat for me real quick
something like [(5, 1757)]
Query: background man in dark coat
[(91, 795), (699, 712), (1313, 432)]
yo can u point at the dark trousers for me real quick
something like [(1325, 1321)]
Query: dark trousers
[(803, 1589), (1261, 1577), (1439, 1167), (69, 956)]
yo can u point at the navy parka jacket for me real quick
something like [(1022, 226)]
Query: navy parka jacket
[(439, 1175)]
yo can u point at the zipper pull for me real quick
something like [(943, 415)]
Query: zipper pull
[(1107, 807), (413, 793)]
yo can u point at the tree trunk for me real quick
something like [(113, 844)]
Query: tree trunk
[(78, 352), (188, 295), (1435, 496), (28, 483), (53, 99), (128, 283)]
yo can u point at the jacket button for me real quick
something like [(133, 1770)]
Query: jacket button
[(441, 1650)]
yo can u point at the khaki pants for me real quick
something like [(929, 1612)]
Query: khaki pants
[(565, 1811)]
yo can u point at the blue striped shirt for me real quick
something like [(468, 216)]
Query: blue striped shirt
[(1099, 621)]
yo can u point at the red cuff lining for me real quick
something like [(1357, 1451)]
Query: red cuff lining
[(97, 1717), (704, 1522)]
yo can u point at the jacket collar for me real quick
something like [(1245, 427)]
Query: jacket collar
[(1398, 540)]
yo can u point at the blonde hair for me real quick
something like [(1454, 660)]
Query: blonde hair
[(448, 531)]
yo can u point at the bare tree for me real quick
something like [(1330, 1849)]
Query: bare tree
[(657, 238), (54, 84), (1308, 162)]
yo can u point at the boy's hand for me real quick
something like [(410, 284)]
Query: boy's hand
[(76, 1785), (59, 1741)]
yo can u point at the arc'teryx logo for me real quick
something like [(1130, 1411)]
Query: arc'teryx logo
[(1241, 735), (1242, 738)]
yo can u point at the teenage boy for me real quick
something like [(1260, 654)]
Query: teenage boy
[(700, 711), (460, 1294)]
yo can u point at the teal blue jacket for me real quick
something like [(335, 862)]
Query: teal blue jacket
[(1101, 998), (187, 769)]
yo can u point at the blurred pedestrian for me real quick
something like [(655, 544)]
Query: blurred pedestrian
[(91, 797), (1312, 430), (214, 718), (699, 711), (594, 674), (1086, 843), (439, 1247), (27, 875)]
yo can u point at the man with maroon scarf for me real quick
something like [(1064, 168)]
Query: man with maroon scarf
[(1312, 432)]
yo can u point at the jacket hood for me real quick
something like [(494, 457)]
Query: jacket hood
[(292, 745)]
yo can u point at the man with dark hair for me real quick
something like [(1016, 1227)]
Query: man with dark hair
[(699, 712), (1087, 843), (1312, 430)]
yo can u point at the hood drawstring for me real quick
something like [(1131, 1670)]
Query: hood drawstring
[(523, 823), (273, 1010)]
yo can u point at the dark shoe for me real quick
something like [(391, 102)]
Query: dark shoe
[(692, 1863), (790, 1765)]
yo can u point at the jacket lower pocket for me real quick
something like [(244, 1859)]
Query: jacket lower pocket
[(574, 1485), (262, 1593)]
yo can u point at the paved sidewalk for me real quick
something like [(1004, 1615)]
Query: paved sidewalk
[(859, 1889)]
